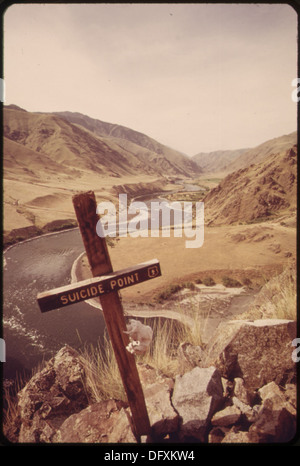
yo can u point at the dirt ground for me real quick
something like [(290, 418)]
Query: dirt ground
[(255, 252)]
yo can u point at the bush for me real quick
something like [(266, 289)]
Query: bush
[(189, 285), (231, 282), (247, 282), (208, 281), (167, 292)]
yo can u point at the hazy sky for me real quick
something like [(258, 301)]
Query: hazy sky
[(196, 77)]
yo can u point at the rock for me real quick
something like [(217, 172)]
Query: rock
[(51, 396), (280, 398), (249, 413), (217, 434), (189, 356), (241, 392), (271, 390), (259, 351), (274, 424), (291, 397), (197, 395), (239, 436), (157, 390), (228, 416), (103, 422)]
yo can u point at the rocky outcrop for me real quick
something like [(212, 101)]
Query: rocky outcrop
[(259, 351), (262, 190), (158, 389), (104, 422), (241, 389), (51, 396), (197, 395)]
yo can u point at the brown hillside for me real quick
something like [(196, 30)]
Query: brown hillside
[(162, 158), (73, 145), (257, 192), (260, 153), (217, 161)]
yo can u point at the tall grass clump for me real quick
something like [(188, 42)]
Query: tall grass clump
[(102, 376), (277, 299), (103, 380), (279, 295)]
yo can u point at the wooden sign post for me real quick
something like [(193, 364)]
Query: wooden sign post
[(106, 284)]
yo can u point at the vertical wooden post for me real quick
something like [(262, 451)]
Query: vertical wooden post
[(96, 249)]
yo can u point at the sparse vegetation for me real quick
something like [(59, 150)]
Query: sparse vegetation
[(103, 380), (277, 299), (174, 288), (279, 296), (208, 281), (231, 282)]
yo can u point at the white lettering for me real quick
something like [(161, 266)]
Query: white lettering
[(295, 96), (141, 220), (295, 356), (2, 350), (115, 456), (2, 90), (165, 208), (160, 220), (199, 225), (107, 225)]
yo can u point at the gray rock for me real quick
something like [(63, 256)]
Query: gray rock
[(217, 434), (51, 396), (226, 417), (197, 395), (274, 424), (103, 422), (259, 351), (189, 356), (157, 390), (241, 392)]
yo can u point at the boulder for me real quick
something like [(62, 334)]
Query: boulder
[(103, 422), (157, 390), (274, 423), (51, 396), (234, 435), (226, 417), (259, 351), (217, 434), (250, 413), (241, 392), (197, 395), (189, 356)]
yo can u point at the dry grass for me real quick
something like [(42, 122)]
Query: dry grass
[(103, 380), (277, 298)]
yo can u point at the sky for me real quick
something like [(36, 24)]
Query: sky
[(195, 77)]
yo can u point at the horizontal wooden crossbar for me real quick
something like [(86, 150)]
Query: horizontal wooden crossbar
[(98, 286)]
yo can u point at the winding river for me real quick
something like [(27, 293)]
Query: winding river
[(37, 265)]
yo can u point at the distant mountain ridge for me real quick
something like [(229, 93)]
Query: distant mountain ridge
[(216, 161), (134, 142), (229, 161), (76, 141)]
